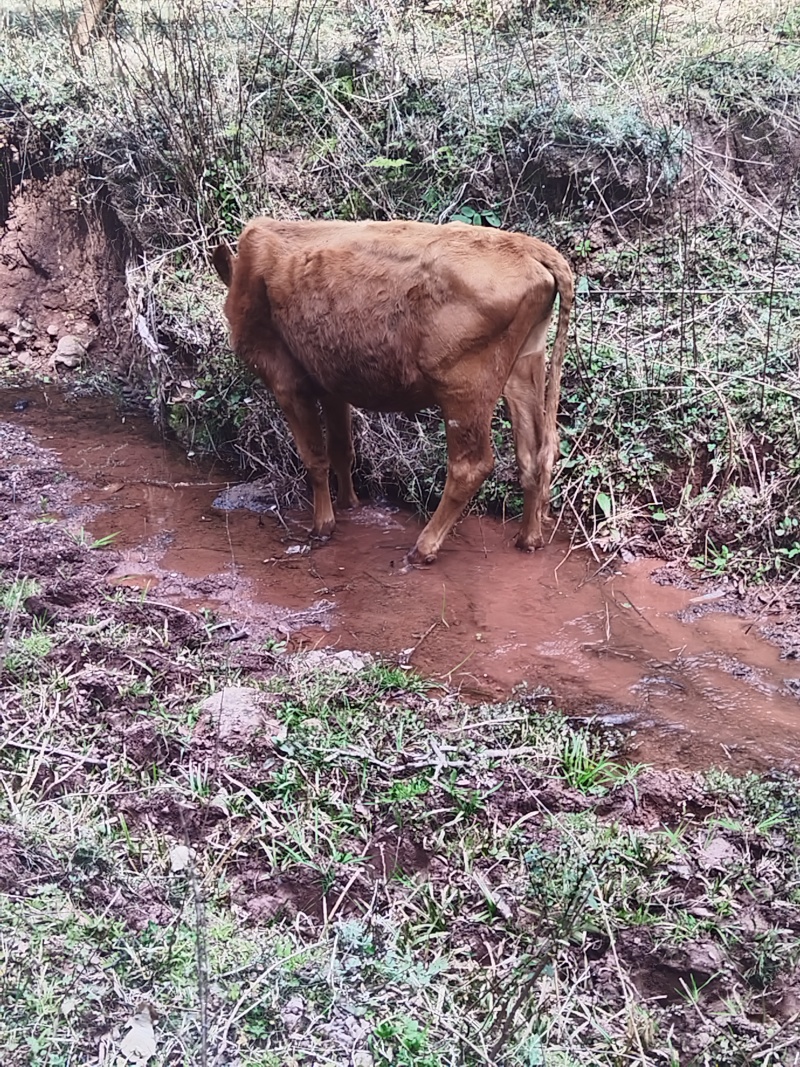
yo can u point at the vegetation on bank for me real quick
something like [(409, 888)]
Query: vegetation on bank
[(656, 144)]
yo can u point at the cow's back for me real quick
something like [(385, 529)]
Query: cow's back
[(377, 312)]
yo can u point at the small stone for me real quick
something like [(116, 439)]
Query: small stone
[(292, 1014), (25, 358), (8, 319), (52, 330), (350, 661), (238, 713), (313, 724), (23, 328), (69, 352), (180, 857), (346, 661), (704, 958), (717, 854)]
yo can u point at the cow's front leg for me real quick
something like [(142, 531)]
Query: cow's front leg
[(469, 462), (303, 418)]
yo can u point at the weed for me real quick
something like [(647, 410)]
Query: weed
[(24, 654), (591, 769), (85, 540), (12, 594), (474, 217), (402, 1041)]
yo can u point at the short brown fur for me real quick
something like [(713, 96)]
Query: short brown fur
[(398, 316)]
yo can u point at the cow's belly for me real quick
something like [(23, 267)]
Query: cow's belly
[(379, 382), (400, 399)]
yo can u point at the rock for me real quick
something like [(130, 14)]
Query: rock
[(313, 724), (702, 958), (38, 608), (52, 330), (69, 352), (717, 854), (237, 714), (8, 319), (21, 330), (292, 1014), (258, 496), (25, 358), (346, 662)]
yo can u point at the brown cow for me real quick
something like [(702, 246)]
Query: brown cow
[(398, 316)]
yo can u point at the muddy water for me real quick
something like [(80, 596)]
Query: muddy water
[(485, 617)]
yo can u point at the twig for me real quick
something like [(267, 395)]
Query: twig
[(47, 750), (406, 657), (170, 607)]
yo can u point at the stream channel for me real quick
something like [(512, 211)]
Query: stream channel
[(699, 684)]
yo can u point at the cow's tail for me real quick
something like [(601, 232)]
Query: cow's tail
[(565, 285)]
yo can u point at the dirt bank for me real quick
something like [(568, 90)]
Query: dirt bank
[(62, 279)]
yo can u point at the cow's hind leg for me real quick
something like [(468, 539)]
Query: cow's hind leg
[(469, 463), (525, 394), (301, 413), (341, 455)]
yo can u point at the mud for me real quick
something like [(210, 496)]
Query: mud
[(697, 682)]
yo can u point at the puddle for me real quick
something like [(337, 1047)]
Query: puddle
[(485, 617)]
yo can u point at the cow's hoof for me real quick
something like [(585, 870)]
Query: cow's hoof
[(414, 560), (323, 531), (528, 544)]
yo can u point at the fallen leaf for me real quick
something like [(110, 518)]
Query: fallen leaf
[(179, 858), (139, 1044), (68, 1005), (707, 597)]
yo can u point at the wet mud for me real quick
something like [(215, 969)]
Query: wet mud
[(698, 683)]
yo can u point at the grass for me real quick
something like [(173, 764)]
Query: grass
[(652, 143), (402, 879)]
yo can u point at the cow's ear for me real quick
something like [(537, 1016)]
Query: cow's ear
[(222, 258)]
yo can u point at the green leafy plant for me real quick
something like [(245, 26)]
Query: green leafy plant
[(402, 1041), (476, 217), (590, 769)]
